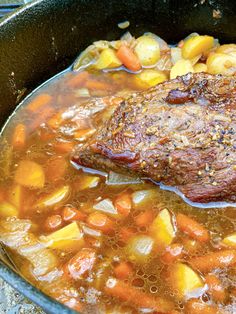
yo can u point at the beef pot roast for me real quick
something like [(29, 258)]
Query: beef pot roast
[(180, 133)]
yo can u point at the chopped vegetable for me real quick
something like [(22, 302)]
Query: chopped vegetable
[(63, 147), (101, 222), (176, 54), (195, 306), (107, 60), (69, 238), (71, 214), (78, 80), (54, 198), (8, 210), (56, 168), (192, 228), (150, 77), (215, 288), (38, 102), (184, 281), (221, 63), (86, 182), (181, 67), (142, 197), (55, 121), (147, 49), (144, 219), (123, 270), (230, 240), (214, 260), (19, 136), (200, 67), (162, 229), (196, 45), (30, 174), (123, 204), (139, 248), (120, 179), (107, 207), (172, 253), (136, 297), (128, 58), (53, 222), (81, 264)]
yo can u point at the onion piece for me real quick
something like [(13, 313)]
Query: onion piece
[(106, 206), (121, 179)]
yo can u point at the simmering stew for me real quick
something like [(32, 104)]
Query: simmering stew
[(108, 242)]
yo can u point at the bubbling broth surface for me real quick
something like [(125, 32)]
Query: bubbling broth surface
[(104, 243)]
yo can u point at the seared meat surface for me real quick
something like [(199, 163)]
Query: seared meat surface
[(180, 133)]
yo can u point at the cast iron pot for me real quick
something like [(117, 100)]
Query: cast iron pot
[(43, 38)]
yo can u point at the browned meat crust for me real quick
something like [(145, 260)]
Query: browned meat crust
[(180, 133)]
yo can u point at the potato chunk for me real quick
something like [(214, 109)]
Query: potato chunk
[(185, 281), (150, 77), (30, 174), (221, 63), (68, 238), (162, 229), (230, 240), (147, 49), (181, 67), (139, 248), (54, 198), (107, 60), (196, 45)]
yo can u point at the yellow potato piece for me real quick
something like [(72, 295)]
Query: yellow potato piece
[(107, 60), (200, 67), (181, 67), (196, 45), (30, 174), (68, 238), (150, 77), (54, 198), (221, 63), (8, 210), (148, 50), (15, 195), (87, 182), (230, 240), (184, 281), (162, 229), (228, 49)]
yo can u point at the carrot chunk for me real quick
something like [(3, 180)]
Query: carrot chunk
[(123, 203), (128, 58), (19, 136), (78, 80), (38, 102), (172, 253), (72, 214), (192, 228), (63, 147), (123, 270), (56, 168), (136, 297), (144, 219), (101, 222), (98, 85), (79, 266), (214, 260), (53, 222), (195, 306), (126, 233), (215, 288)]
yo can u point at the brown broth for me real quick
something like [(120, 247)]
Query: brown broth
[(41, 146)]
